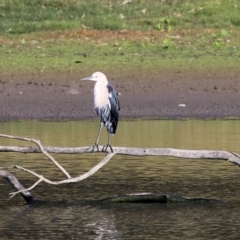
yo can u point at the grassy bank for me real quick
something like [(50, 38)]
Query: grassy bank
[(44, 37), (24, 16)]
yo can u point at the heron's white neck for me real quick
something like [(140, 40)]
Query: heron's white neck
[(100, 94)]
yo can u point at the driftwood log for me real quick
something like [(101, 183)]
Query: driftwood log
[(47, 150), (29, 198)]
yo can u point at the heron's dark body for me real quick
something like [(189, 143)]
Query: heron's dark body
[(108, 114)]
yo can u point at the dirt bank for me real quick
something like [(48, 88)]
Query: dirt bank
[(170, 95)]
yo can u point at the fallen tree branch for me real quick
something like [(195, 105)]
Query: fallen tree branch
[(29, 198), (153, 197), (124, 198), (41, 149), (71, 180), (169, 152)]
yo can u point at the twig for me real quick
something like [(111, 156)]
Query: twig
[(71, 180), (30, 188), (38, 143), (17, 185)]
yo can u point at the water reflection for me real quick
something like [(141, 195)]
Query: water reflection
[(196, 134), (81, 219)]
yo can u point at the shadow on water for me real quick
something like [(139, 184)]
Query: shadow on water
[(82, 218)]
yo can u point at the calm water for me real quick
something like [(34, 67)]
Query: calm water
[(83, 219)]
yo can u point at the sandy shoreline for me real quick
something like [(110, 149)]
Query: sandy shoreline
[(172, 96)]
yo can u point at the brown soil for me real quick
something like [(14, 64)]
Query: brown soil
[(150, 95)]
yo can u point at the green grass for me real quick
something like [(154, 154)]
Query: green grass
[(43, 36), (25, 16), (75, 57)]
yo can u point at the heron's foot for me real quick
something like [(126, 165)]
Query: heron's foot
[(95, 145), (104, 149)]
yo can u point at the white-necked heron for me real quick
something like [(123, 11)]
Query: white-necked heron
[(106, 105)]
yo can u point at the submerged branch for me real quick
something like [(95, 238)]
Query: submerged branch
[(153, 197), (18, 186)]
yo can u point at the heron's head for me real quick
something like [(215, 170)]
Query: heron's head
[(97, 77)]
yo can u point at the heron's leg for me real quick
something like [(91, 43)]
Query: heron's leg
[(97, 139), (108, 145), (99, 131)]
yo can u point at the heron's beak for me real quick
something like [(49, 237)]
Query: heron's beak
[(91, 78)]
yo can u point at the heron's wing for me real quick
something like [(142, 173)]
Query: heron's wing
[(114, 107), (113, 99)]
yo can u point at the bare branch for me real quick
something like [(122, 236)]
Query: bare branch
[(17, 185), (23, 190), (71, 180), (169, 152), (38, 143)]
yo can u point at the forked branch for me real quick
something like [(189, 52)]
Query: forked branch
[(170, 152), (17, 185), (71, 180), (41, 149)]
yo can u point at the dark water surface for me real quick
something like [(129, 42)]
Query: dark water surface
[(81, 218)]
